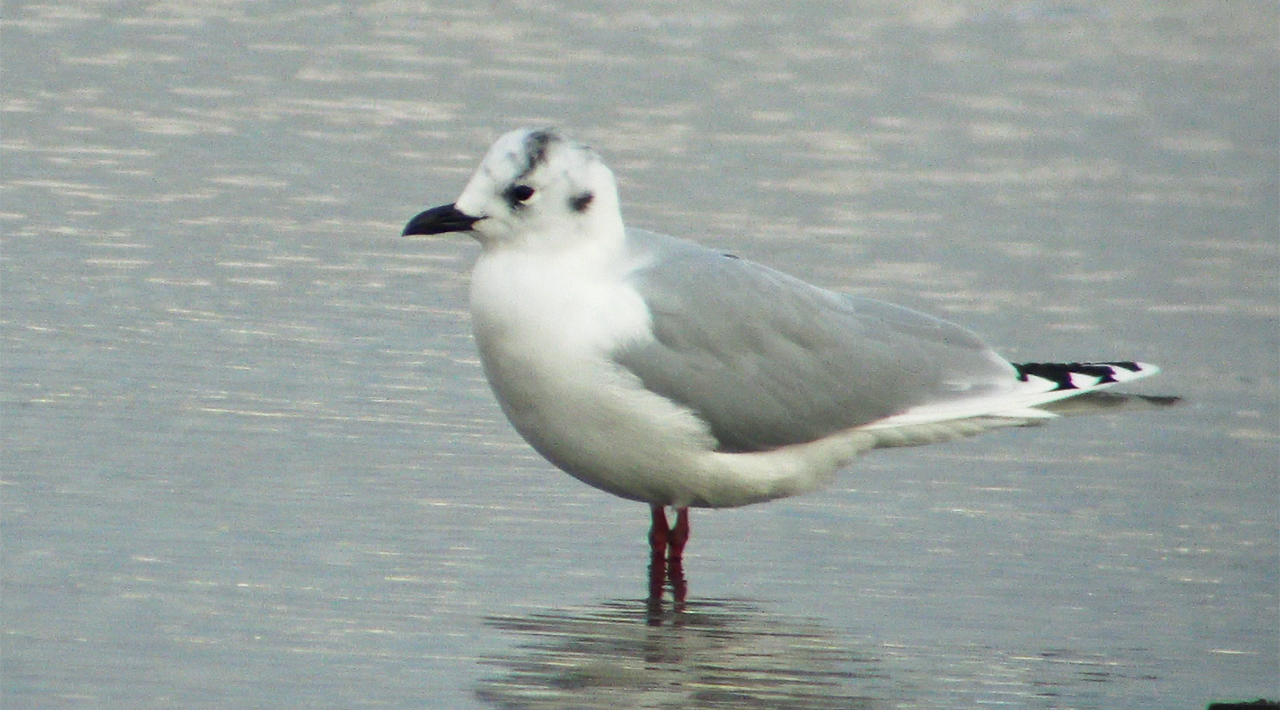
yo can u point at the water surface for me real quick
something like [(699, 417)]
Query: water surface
[(249, 459)]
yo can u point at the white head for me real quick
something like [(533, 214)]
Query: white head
[(535, 188)]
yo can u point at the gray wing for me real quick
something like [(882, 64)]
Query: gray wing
[(768, 360)]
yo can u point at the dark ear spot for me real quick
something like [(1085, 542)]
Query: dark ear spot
[(580, 203)]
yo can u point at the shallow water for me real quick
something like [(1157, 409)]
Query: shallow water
[(249, 459)]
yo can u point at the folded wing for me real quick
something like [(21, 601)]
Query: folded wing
[(768, 360)]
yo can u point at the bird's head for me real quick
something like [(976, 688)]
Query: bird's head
[(536, 187)]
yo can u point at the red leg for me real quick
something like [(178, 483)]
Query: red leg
[(680, 535), (659, 540), (675, 556)]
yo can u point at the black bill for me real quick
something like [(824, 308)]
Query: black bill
[(438, 220)]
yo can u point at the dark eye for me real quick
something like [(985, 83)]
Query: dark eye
[(519, 193)]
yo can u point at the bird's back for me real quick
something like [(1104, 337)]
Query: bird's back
[(769, 360)]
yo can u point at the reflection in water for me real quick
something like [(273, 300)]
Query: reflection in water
[(707, 654), (734, 654)]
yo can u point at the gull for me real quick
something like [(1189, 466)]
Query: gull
[(667, 373)]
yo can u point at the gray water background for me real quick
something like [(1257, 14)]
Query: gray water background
[(249, 459)]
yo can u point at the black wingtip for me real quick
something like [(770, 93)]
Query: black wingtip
[(1106, 372)]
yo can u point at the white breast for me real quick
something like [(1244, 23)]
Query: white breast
[(545, 326)]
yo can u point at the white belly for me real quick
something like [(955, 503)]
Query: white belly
[(546, 329), (545, 336)]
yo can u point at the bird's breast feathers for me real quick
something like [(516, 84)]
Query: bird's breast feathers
[(545, 338), (555, 307)]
